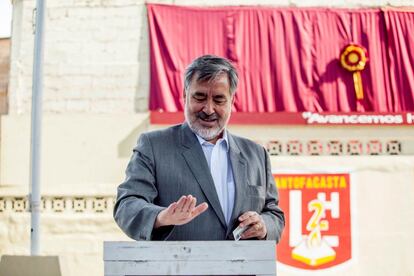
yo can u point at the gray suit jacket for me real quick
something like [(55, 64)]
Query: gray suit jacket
[(169, 163)]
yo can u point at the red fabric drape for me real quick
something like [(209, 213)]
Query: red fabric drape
[(288, 59), (400, 26)]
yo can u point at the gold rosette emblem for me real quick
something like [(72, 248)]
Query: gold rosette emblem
[(354, 58)]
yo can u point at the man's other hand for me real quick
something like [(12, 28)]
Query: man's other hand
[(257, 227), (180, 212)]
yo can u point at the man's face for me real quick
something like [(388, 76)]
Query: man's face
[(208, 106)]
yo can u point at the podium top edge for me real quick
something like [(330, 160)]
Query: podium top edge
[(187, 243)]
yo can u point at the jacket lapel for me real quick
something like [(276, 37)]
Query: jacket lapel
[(238, 164), (194, 156)]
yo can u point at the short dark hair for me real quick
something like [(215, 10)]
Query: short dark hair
[(207, 68)]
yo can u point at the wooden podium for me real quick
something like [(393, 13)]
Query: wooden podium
[(190, 258)]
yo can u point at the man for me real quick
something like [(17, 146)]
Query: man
[(200, 161)]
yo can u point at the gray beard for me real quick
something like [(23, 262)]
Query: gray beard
[(205, 133)]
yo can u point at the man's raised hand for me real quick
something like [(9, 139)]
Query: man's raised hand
[(180, 212)]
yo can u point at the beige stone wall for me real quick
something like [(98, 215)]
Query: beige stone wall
[(80, 153), (95, 57), (4, 72), (95, 102)]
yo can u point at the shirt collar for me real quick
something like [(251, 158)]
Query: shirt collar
[(225, 138)]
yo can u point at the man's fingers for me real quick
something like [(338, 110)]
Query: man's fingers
[(257, 227), (171, 208), (257, 230), (247, 215), (199, 209), (187, 204), (250, 220), (248, 233), (183, 211), (181, 202), (193, 204)]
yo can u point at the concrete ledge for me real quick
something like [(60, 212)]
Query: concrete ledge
[(30, 266), (89, 150)]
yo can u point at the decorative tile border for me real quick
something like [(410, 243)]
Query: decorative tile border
[(60, 204), (333, 147)]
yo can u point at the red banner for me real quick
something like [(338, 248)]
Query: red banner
[(287, 58), (318, 220)]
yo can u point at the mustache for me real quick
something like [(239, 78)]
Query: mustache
[(204, 116)]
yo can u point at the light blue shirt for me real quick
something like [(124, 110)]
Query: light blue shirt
[(218, 160)]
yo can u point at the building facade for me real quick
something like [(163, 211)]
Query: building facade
[(95, 105)]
